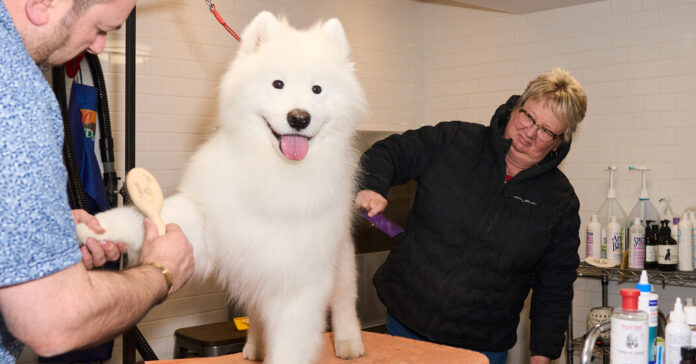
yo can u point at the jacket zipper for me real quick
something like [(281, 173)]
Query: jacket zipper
[(493, 210)]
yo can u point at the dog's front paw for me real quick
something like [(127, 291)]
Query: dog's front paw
[(84, 233), (349, 349)]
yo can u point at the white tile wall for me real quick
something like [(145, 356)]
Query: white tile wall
[(423, 62)]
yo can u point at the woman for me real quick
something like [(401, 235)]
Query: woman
[(493, 217)]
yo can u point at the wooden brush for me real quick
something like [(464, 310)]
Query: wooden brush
[(146, 194)]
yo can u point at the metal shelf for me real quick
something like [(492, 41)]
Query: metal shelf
[(655, 276)]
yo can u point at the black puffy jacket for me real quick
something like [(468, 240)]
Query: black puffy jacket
[(475, 244)]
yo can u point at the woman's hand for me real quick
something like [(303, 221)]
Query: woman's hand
[(96, 254), (370, 201)]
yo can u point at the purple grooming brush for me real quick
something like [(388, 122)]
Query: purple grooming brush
[(383, 223)]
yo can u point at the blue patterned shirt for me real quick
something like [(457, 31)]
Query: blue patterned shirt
[(37, 233)]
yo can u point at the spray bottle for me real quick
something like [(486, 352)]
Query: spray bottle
[(610, 208), (677, 334), (667, 210), (644, 208), (629, 330), (647, 302)]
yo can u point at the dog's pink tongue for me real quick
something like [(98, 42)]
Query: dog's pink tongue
[(294, 147)]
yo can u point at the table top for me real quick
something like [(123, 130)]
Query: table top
[(379, 349)]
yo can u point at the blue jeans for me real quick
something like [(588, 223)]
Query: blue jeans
[(395, 328)]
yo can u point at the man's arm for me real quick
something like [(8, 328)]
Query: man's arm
[(74, 308)]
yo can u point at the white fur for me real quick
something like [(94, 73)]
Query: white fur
[(275, 232)]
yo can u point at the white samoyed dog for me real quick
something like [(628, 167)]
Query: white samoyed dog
[(266, 202)]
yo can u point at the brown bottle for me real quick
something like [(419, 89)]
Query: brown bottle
[(650, 245), (667, 251)]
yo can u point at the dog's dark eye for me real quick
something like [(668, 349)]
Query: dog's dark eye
[(278, 84), (316, 89)]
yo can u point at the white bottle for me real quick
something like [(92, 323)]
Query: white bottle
[(629, 331), (690, 312), (594, 238), (677, 334), (614, 241), (686, 244), (636, 245), (692, 218), (647, 302)]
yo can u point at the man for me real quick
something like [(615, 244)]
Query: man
[(48, 299)]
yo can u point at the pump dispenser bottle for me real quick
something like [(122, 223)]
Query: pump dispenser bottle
[(677, 334), (610, 208), (629, 331), (647, 302), (594, 238), (643, 208), (651, 245)]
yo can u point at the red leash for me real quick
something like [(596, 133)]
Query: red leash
[(217, 15)]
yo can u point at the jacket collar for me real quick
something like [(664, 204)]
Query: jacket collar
[(499, 121)]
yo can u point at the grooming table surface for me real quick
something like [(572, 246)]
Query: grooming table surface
[(379, 349)]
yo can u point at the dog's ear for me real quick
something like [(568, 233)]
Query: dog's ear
[(263, 25), (334, 30)]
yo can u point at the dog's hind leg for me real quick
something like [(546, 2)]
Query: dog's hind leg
[(344, 317)]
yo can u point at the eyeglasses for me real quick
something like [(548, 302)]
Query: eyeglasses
[(543, 133)]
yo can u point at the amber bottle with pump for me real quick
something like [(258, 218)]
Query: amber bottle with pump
[(667, 248)]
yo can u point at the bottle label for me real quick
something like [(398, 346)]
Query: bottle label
[(650, 253), (629, 341), (673, 347), (667, 254), (614, 247), (590, 242), (637, 251)]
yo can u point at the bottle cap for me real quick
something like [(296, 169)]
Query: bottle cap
[(643, 285), (677, 315), (636, 221), (688, 352), (629, 299), (675, 221), (690, 312)]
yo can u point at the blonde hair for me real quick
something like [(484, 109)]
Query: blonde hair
[(569, 101)]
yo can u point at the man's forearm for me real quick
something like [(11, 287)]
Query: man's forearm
[(75, 308)]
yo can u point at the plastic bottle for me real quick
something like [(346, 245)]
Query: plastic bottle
[(650, 245), (643, 208), (667, 249), (692, 218), (610, 208), (594, 238), (629, 330), (636, 245), (686, 244), (677, 334), (647, 302), (614, 241), (690, 312)]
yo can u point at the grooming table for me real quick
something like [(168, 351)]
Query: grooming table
[(379, 349)]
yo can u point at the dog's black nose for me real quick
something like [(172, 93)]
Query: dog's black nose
[(298, 119)]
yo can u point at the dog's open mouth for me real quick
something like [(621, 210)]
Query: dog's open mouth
[(293, 146)]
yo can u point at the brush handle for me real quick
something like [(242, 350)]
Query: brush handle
[(383, 223)]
